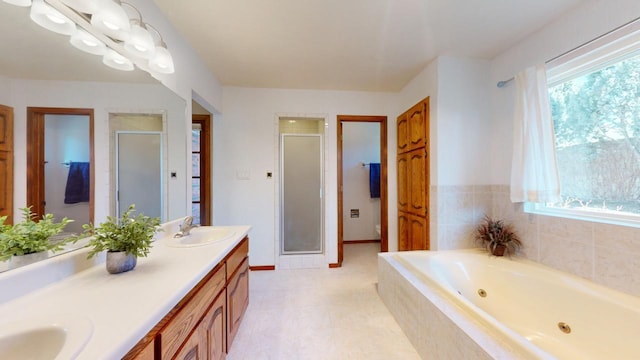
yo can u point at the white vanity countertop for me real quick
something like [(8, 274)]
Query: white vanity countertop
[(123, 307)]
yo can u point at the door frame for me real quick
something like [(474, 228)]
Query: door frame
[(35, 155), (6, 156), (384, 196), (206, 217)]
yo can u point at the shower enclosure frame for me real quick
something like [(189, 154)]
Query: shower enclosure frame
[(281, 188)]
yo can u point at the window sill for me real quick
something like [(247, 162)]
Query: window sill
[(612, 218)]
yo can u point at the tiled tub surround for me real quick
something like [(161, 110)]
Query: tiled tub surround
[(604, 253), (454, 304), (122, 308)]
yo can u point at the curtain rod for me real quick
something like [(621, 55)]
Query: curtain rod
[(502, 83)]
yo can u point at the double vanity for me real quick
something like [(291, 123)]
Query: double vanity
[(184, 301)]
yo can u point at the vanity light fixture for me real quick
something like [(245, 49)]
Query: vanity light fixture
[(112, 20), (49, 18), (162, 61), (24, 3), (83, 6), (103, 27), (86, 42), (140, 42), (116, 61)]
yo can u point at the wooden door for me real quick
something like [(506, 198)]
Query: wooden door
[(403, 231), (6, 163), (403, 133), (417, 116), (418, 232), (403, 182), (417, 182), (413, 177)]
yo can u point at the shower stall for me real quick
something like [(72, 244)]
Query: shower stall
[(301, 188)]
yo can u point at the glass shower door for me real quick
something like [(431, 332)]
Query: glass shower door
[(301, 193), (139, 172)]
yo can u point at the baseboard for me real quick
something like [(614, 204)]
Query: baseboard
[(335, 265), (262, 268), (360, 241)]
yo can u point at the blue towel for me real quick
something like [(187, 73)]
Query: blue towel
[(78, 183), (374, 180)]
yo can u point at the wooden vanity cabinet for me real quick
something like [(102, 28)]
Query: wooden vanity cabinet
[(237, 299), (204, 323), (208, 339)]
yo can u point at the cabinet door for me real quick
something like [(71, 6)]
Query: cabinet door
[(173, 335), (215, 327), (417, 117), (418, 232), (417, 182), (403, 182), (195, 347), (403, 133), (237, 300), (403, 231)]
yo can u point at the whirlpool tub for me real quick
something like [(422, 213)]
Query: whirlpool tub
[(465, 304)]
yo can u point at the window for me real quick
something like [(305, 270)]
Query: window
[(595, 105)]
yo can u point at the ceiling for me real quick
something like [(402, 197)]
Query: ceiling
[(369, 45)]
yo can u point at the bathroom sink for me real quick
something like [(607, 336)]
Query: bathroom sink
[(202, 235), (62, 337)]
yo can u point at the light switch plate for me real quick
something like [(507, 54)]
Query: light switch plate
[(243, 175)]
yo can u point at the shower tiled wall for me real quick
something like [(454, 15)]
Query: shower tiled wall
[(604, 253)]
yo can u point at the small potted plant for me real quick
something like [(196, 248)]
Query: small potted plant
[(29, 241), (124, 239), (497, 237)]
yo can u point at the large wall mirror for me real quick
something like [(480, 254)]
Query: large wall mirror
[(74, 95)]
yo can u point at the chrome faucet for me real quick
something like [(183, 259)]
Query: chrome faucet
[(185, 227)]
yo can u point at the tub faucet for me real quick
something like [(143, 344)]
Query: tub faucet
[(185, 227)]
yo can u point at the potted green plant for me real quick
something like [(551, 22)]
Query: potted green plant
[(497, 237), (125, 239), (29, 240)]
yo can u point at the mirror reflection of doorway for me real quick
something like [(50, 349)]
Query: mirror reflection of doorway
[(56, 138), (137, 175), (67, 168), (139, 172)]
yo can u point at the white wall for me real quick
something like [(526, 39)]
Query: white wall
[(360, 144), (5, 93), (103, 98), (246, 139), (463, 122)]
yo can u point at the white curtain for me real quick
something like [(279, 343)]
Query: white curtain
[(534, 170)]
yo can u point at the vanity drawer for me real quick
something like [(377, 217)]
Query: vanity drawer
[(236, 257), (174, 333)]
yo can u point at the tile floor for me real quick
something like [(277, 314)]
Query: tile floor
[(321, 314)]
